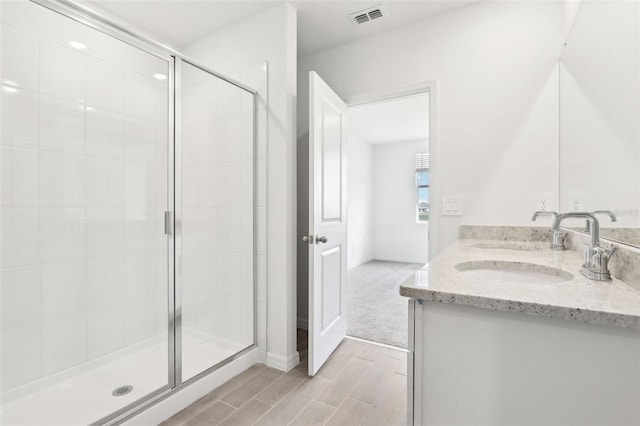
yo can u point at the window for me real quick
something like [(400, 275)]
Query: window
[(422, 187)]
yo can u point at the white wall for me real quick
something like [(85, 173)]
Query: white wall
[(600, 120), (495, 67), (360, 189), (396, 235), (269, 36), (495, 137)]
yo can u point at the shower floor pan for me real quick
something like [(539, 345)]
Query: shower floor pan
[(87, 396)]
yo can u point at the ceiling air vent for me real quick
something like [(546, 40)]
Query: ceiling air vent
[(367, 15), (375, 14)]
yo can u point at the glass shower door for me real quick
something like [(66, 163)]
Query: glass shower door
[(84, 255), (215, 208)]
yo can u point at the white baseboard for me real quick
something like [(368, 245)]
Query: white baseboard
[(361, 261), (403, 260), (303, 323), (281, 363)]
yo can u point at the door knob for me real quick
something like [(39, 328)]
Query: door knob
[(307, 239), (322, 239)]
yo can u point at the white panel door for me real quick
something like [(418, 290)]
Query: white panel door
[(327, 221)]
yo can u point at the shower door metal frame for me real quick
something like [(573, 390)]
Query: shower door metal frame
[(178, 222), (99, 22)]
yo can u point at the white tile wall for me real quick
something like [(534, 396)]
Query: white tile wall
[(20, 53), (19, 296), (62, 125), (105, 280), (20, 117), (62, 71), (62, 234), (104, 133), (19, 236), (205, 146), (140, 320), (21, 351), (83, 157), (206, 184), (140, 136), (64, 342), (140, 96), (135, 191), (64, 287), (101, 95), (115, 184), (230, 99), (97, 182), (104, 231), (62, 180), (19, 176), (106, 329)]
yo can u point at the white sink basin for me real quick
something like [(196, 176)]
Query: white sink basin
[(504, 245), (514, 272)]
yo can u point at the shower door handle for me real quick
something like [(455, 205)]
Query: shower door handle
[(167, 223)]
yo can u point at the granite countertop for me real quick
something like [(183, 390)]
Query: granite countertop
[(599, 302)]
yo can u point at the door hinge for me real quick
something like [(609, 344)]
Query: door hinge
[(167, 223)]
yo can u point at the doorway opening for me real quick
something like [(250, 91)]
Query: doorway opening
[(387, 212), (368, 212)]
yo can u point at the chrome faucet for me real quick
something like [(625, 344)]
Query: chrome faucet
[(557, 236), (607, 212), (596, 258)]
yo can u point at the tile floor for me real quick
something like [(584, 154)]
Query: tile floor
[(360, 384)]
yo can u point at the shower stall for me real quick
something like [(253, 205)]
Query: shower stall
[(127, 218)]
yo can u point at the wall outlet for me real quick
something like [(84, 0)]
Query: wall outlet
[(575, 202), (451, 206), (543, 202)]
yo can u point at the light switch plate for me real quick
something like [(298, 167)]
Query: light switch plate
[(451, 206)]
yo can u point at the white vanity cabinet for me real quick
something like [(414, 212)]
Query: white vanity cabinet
[(477, 366), (495, 341)]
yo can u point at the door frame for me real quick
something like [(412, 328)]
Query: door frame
[(430, 87)]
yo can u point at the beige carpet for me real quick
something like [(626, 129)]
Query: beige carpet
[(375, 309)]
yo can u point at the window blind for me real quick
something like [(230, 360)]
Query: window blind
[(422, 160)]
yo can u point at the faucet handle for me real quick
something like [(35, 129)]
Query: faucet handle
[(596, 263), (543, 213), (557, 240), (557, 236)]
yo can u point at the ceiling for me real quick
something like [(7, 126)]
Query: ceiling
[(321, 24), (396, 120), (326, 24)]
